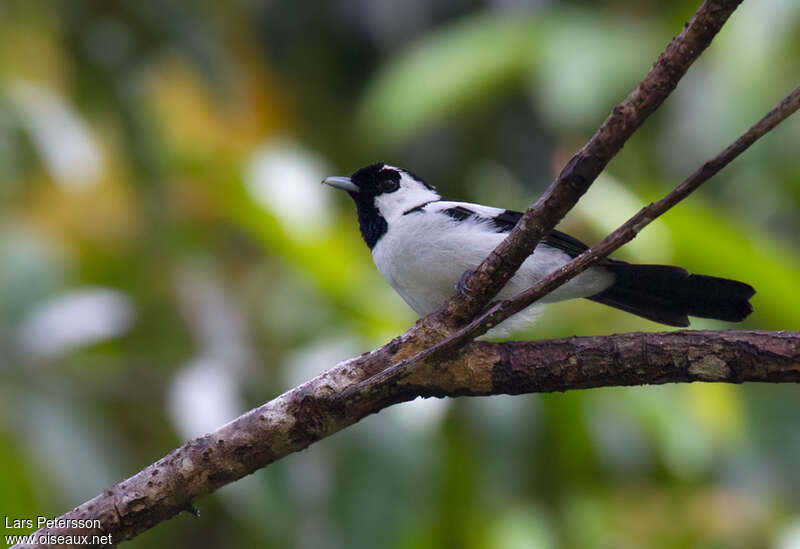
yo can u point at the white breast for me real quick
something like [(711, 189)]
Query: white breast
[(423, 255)]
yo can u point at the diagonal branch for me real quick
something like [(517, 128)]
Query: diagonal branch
[(622, 235), (584, 167), (310, 412)]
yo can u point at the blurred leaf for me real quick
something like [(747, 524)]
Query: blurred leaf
[(89, 456), (522, 528), (587, 65), (448, 70), (16, 481), (718, 408), (680, 444)]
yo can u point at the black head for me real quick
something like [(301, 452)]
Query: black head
[(382, 193), (380, 178)]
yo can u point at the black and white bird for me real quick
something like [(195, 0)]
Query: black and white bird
[(422, 245)]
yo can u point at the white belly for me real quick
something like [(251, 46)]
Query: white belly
[(423, 257)]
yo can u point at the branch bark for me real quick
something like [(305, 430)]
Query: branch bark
[(312, 411)]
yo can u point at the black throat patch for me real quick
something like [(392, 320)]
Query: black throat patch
[(370, 221), (372, 224)]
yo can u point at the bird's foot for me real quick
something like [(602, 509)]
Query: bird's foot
[(462, 286)]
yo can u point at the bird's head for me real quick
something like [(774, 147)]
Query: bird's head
[(382, 193), (391, 191)]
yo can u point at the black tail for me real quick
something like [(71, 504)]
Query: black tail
[(668, 294)]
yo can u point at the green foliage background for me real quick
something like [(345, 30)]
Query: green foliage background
[(168, 260)]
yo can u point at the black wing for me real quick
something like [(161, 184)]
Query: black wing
[(460, 213), (569, 244), (506, 220)]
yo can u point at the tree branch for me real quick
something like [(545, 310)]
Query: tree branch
[(310, 412)]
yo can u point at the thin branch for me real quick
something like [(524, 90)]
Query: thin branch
[(622, 235), (584, 167), (310, 412)]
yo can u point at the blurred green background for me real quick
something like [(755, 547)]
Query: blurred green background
[(168, 260)]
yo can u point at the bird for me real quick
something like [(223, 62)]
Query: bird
[(423, 245)]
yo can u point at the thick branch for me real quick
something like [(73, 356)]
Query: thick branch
[(584, 167), (311, 411)]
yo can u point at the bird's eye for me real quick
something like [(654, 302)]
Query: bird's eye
[(389, 185)]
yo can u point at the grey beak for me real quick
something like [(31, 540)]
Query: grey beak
[(343, 183)]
